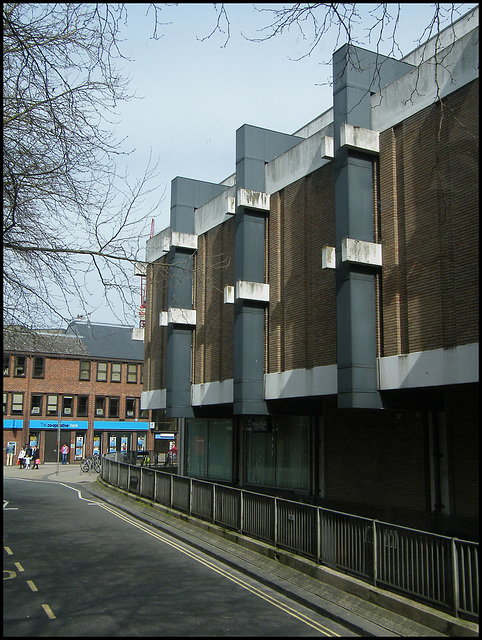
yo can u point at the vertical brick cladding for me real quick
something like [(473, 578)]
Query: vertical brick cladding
[(429, 226), (155, 339), (302, 311), (213, 339)]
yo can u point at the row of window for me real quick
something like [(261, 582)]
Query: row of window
[(102, 369), (70, 406)]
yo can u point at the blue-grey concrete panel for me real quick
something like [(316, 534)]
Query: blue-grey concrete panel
[(249, 255), (180, 279), (356, 73), (178, 372), (254, 147), (353, 197), (365, 70), (248, 359), (186, 195)]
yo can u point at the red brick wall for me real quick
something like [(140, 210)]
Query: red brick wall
[(62, 378)]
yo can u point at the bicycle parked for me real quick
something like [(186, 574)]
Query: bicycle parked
[(91, 462)]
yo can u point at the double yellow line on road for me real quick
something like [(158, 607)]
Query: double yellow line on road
[(242, 583)]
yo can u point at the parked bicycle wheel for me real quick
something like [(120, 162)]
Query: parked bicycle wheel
[(85, 465), (97, 464)]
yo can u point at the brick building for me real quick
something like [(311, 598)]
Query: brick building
[(90, 374), (312, 320)]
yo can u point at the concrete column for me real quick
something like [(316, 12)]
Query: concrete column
[(186, 196), (357, 74), (254, 147)]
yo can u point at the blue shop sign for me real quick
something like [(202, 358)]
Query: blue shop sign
[(12, 424), (109, 425), (54, 424)]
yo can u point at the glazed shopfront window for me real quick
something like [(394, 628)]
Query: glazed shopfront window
[(209, 449), (278, 454)]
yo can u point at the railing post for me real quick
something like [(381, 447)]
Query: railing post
[(241, 511), (190, 496), (214, 503), (275, 541), (455, 578), (375, 554), (318, 534), (171, 489)]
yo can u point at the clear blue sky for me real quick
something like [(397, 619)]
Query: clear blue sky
[(195, 94)]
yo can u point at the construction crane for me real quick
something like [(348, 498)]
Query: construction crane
[(142, 308)]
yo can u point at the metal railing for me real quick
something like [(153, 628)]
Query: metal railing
[(434, 569)]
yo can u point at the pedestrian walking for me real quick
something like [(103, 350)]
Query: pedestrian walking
[(35, 457), (65, 452), (10, 451), (28, 456), (21, 458)]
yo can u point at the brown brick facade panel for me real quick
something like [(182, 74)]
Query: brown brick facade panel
[(155, 339), (213, 340), (302, 318), (429, 226)]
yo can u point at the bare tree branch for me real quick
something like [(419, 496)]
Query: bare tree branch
[(62, 194)]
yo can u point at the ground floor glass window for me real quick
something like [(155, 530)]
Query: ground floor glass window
[(209, 446), (279, 457)]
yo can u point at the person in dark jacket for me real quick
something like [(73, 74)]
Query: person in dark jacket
[(28, 456), (35, 457)]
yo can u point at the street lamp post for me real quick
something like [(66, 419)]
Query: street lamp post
[(58, 444)]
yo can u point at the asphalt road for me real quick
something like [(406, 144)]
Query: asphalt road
[(77, 567)]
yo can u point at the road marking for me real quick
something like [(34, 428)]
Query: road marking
[(19, 566), (9, 551), (274, 601), (10, 574), (48, 611), (5, 502), (31, 584)]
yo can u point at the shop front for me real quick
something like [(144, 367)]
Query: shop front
[(45, 434), (111, 436)]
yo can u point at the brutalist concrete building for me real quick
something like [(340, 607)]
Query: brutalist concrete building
[(312, 320)]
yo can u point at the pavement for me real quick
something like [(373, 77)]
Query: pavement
[(362, 608)]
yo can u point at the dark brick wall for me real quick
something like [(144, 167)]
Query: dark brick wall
[(214, 336), (376, 458), (429, 226), (155, 336), (302, 320)]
